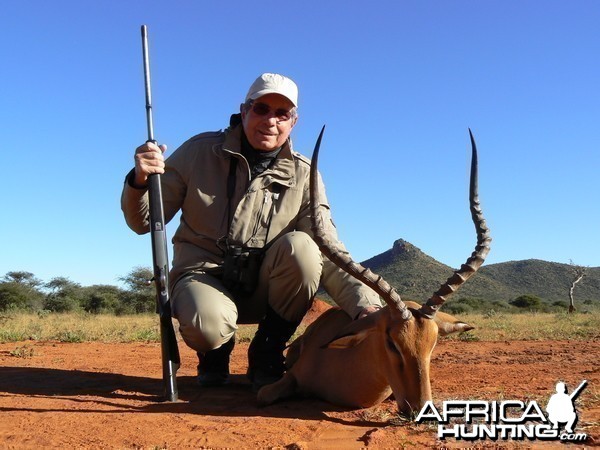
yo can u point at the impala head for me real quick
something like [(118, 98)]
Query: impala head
[(407, 334)]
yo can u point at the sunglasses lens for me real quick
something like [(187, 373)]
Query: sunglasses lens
[(262, 109), (283, 115)]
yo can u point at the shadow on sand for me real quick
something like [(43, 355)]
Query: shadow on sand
[(126, 393)]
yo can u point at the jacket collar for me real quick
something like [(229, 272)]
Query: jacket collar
[(283, 169)]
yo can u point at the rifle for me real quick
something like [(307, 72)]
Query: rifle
[(168, 341), (577, 391)]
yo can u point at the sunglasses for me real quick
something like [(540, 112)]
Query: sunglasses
[(262, 109)]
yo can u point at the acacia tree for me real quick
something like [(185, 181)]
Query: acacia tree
[(65, 295), (20, 290), (578, 273), (22, 278), (527, 301), (140, 297)]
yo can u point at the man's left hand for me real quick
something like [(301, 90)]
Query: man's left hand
[(368, 310)]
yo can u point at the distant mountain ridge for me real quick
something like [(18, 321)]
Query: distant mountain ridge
[(416, 276)]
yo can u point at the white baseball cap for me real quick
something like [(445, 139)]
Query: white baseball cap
[(273, 83)]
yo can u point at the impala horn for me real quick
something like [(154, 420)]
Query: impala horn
[(478, 256), (341, 258)]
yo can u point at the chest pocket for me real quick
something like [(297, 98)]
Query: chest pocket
[(264, 218)]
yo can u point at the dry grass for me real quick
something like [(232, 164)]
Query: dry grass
[(79, 327), (74, 327), (531, 326)]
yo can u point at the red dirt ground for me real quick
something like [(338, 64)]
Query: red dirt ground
[(95, 395)]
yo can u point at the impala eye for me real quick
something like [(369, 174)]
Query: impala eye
[(391, 346)]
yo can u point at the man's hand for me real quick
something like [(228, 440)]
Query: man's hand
[(368, 310), (149, 159)]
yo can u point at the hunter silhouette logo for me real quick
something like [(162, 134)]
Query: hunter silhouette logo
[(508, 419), (561, 407)]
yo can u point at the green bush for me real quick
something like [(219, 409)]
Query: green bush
[(99, 299), (473, 302), (15, 295), (527, 301), (498, 305), (12, 296), (61, 303), (457, 308)]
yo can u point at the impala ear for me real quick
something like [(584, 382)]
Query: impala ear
[(457, 327), (448, 324), (349, 340), (354, 333)]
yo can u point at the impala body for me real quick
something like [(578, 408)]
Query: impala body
[(359, 363), (374, 356)]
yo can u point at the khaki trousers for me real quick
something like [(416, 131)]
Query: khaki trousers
[(288, 281)]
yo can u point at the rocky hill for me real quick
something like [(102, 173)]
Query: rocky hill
[(416, 276)]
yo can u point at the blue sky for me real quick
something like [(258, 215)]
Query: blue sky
[(397, 83)]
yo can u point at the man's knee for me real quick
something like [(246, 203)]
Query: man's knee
[(298, 241), (207, 317), (291, 274), (206, 333), (300, 254)]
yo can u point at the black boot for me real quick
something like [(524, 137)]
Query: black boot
[(266, 363), (213, 368)]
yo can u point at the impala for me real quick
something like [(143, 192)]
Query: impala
[(359, 363)]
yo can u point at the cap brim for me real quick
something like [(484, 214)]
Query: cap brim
[(263, 92)]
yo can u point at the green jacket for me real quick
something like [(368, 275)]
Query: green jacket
[(195, 182)]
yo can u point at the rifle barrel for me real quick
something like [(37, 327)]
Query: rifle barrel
[(577, 391), (146, 59)]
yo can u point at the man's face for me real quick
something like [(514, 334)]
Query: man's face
[(264, 121)]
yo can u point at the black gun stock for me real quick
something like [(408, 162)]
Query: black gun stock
[(168, 340)]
